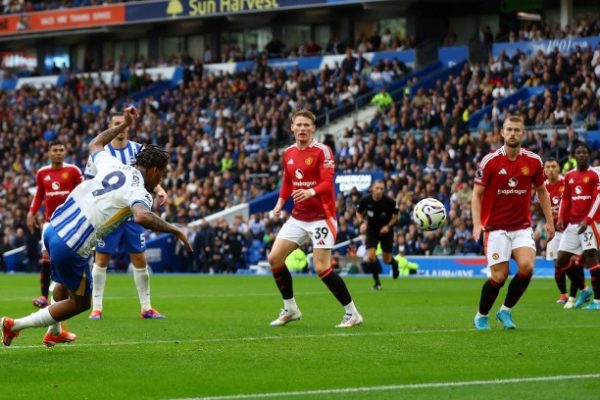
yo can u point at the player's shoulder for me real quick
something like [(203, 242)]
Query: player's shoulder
[(492, 156), (322, 148), (72, 167), (528, 154), (44, 169)]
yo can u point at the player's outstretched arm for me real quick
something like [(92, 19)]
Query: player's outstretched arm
[(97, 144), (143, 216)]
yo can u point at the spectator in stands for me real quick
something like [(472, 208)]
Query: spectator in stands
[(383, 100)]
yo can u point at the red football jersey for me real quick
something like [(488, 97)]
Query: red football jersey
[(579, 195), (53, 187), (555, 190), (506, 198), (311, 168)]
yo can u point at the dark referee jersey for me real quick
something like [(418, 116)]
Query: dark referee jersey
[(378, 213)]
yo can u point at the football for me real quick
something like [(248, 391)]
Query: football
[(429, 214)]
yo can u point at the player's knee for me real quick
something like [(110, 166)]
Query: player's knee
[(526, 267), (274, 260)]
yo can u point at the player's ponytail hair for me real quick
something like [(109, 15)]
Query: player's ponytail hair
[(152, 156)]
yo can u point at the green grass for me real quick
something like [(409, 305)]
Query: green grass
[(216, 341)]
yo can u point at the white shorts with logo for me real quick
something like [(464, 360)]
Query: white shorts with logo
[(500, 244), (552, 247), (321, 232), (574, 243)]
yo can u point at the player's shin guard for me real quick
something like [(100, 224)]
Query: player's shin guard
[(283, 280), (141, 277), (560, 279), (575, 274), (595, 273), (517, 287), (45, 278), (489, 293), (99, 282), (337, 286)]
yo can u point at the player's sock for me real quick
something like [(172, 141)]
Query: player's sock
[(577, 278), (283, 280), (395, 268), (561, 279), (99, 282), (375, 271), (337, 286), (516, 288), (290, 304), (141, 277), (595, 273), (36, 320), (54, 328), (489, 293), (45, 277), (351, 308)]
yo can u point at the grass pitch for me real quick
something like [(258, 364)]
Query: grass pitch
[(417, 342)]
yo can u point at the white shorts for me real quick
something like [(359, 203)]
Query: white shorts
[(552, 247), (499, 244), (574, 243), (43, 229), (321, 232)]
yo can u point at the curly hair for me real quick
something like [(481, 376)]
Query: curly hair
[(152, 156)]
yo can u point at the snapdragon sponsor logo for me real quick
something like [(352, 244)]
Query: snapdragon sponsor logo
[(305, 184), (588, 197), (512, 191)]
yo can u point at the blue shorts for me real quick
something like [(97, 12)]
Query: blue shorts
[(68, 267), (127, 238)]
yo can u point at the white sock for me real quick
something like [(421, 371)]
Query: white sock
[(54, 328), (503, 307), (36, 320), (290, 304), (571, 299), (597, 301), (141, 277), (480, 314), (98, 285), (351, 308)]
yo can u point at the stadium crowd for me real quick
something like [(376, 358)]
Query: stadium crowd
[(20, 6), (224, 131)]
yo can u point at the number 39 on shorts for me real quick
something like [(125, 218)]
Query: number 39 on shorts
[(321, 232)]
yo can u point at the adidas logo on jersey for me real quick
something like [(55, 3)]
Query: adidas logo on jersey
[(502, 172), (47, 178), (291, 161), (321, 242), (571, 181)]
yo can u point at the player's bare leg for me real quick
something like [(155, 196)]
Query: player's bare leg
[(489, 294), (525, 258), (101, 261), (283, 279), (374, 267), (590, 259), (46, 268), (390, 260), (322, 260), (73, 305), (141, 277), (58, 333)]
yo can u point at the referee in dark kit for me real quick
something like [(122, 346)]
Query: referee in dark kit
[(381, 214)]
